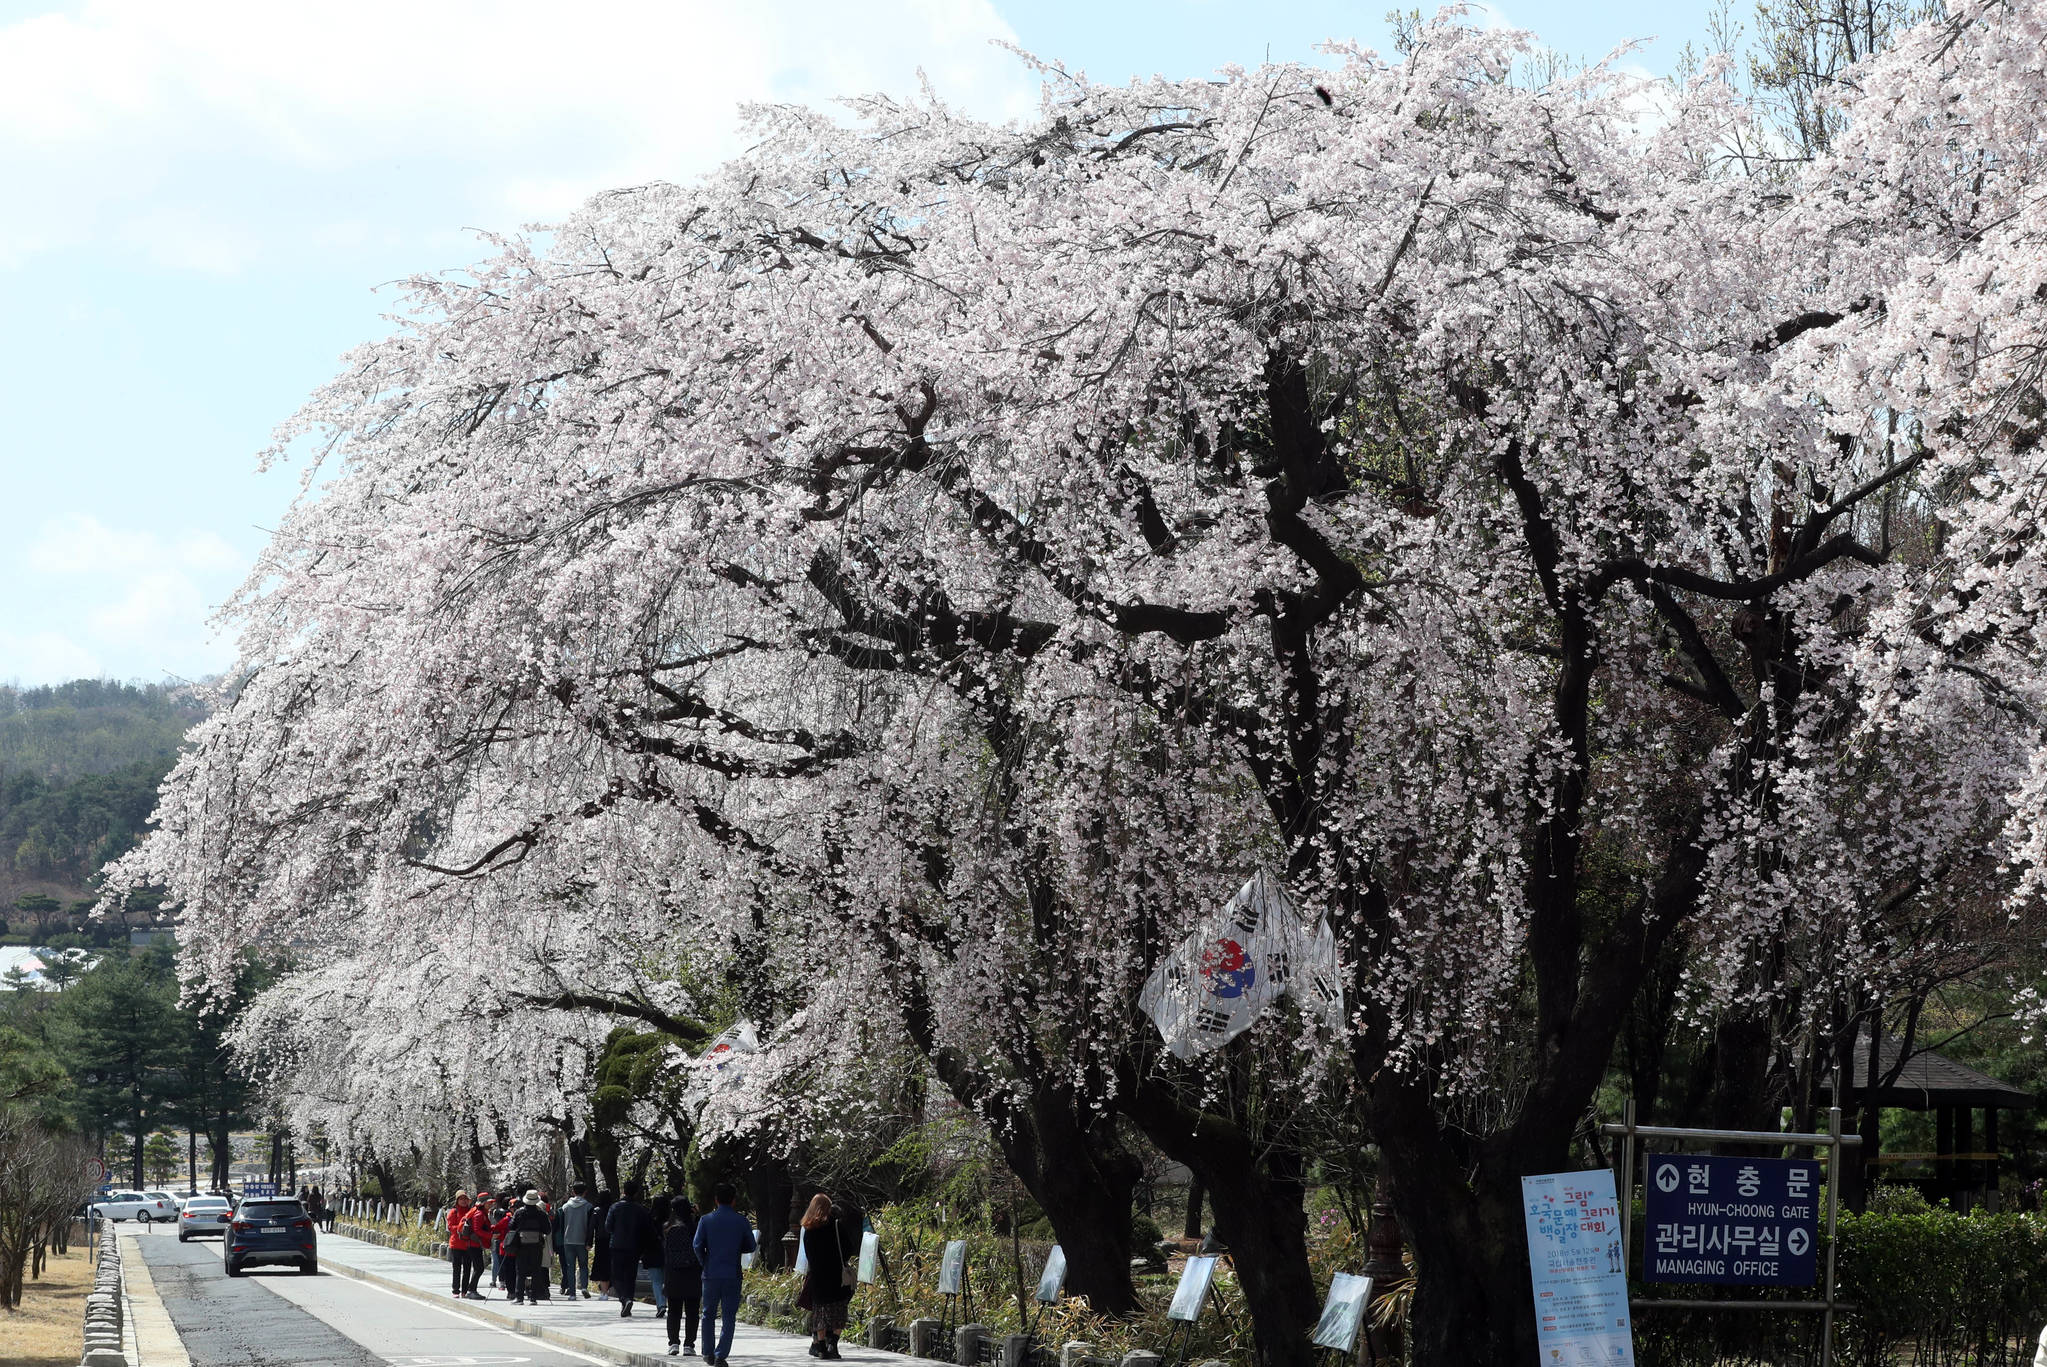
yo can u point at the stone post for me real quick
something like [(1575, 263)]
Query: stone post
[(1142, 1358), (924, 1338), (1073, 1352), (966, 1343), (878, 1329), (1016, 1349)]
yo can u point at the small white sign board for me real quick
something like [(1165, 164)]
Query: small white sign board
[(952, 1268), (1191, 1296), (1343, 1313), (1053, 1278)]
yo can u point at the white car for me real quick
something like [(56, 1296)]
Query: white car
[(204, 1216), (135, 1205)]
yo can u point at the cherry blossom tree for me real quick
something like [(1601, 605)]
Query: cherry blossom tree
[(1538, 535)]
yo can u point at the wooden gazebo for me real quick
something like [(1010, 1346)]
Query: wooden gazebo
[(1964, 1157)]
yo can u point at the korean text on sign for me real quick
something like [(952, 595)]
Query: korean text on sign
[(1739, 1221)]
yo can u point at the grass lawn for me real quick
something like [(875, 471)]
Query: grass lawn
[(49, 1329)]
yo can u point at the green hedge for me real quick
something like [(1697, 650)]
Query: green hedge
[(1958, 1290), (1966, 1289)]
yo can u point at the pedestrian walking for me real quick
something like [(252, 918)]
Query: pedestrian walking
[(684, 1273), (825, 1288), (600, 1242), (626, 1227), (500, 1226), (722, 1236), (651, 1257), (476, 1235), (543, 1287), (526, 1242), (572, 1224), (459, 1243)]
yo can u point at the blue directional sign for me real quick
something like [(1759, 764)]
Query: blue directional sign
[(1734, 1221)]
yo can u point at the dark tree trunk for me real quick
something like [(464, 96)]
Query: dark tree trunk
[(387, 1185), (1082, 1177), (767, 1191), (479, 1161), (1068, 1158), (1256, 1193), (220, 1139), (1472, 1300), (1192, 1228), (1741, 1097), (1645, 1041), (581, 1161)]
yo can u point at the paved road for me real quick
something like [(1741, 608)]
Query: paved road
[(278, 1316)]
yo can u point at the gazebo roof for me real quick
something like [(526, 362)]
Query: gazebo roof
[(1929, 1081)]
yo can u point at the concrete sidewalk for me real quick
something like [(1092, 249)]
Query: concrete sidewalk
[(592, 1327)]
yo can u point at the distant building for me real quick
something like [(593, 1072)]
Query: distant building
[(142, 937)]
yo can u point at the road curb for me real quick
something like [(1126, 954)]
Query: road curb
[(156, 1340), (546, 1333)]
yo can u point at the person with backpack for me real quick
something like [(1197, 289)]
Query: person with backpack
[(684, 1274), (723, 1236), (459, 1243), (526, 1243), (627, 1226)]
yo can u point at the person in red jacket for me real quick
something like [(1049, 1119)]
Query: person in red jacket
[(479, 1241), (465, 1255)]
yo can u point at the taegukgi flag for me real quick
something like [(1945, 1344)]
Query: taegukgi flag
[(1257, 949)]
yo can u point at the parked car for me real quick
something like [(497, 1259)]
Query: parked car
[(204, 1217), (270, 1230), (135, 1205)]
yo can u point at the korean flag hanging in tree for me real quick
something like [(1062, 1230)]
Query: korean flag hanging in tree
[(723, 1053), (1219, 980)]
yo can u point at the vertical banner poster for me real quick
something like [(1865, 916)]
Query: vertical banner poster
[(1732, 1221), (1343, 1313), (1053, 1278), (952, 1268), (870, 1254), (1192, 1292), (1575, 1263)]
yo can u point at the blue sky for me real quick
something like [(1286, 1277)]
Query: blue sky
[(205, 196)]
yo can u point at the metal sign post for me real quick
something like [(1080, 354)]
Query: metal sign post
[(1833, 1141)]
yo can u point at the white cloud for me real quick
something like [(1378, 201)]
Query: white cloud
[(205, 134), (89, 599), (42, 657)]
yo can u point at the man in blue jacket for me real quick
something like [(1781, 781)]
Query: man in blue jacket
[(722, 1235)]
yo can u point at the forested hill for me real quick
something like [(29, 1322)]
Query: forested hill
[(91, 726), (79, 765)]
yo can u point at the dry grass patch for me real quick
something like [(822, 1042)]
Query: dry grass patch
[(49, 1329)]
